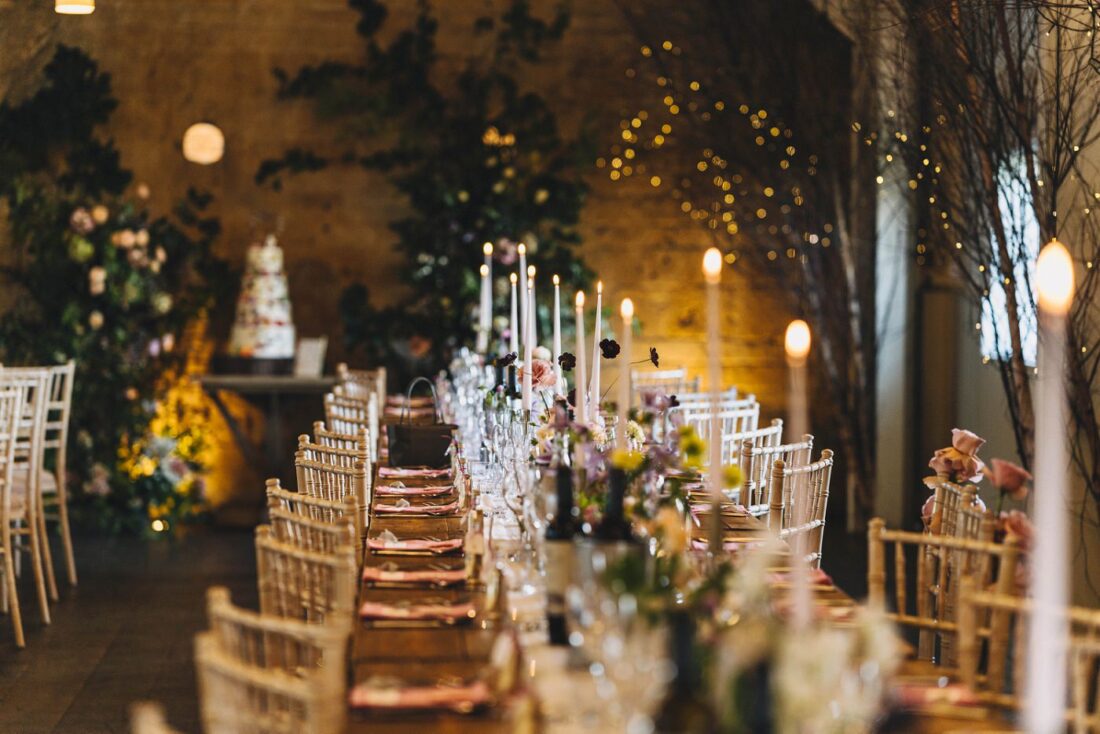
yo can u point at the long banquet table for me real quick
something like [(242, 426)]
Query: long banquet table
[(427, 653)]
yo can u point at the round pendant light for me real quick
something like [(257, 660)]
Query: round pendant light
[(203, 143), (74, 7)]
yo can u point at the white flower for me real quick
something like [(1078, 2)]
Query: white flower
[(541, 353), (141, 239), (100, 214), (127, 238), (162, 302), (635, 433)]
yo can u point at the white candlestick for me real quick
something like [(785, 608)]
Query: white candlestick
[(594, 386), (559, 388), (522, 276), (528, 354), (712, 270), (513, 323), (627, 312), (797, 347), (1046, 655), (532, 306), (485, 316), (581, 399)]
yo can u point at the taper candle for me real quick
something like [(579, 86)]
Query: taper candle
[(597, 334), (485, 316), (528, 352), (559, 383), (797, 347), (522, 276), (712, 271), (533, 307), (581, 397), (513, 323), (1047, 633), (626, 310)]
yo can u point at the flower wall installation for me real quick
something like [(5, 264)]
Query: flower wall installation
[(104, 282)]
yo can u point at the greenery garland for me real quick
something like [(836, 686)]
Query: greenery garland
[(102, 282), (478, 158)]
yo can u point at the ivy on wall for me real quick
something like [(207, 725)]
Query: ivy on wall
[(478, 158)]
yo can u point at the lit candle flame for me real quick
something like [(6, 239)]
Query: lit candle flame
[(487, 248), (627, 309), (599, 287), (512, 277), (521, 248), (580, 299), (1054, 275), (557, 280), (712, 265), (484, 270), (530, 271), (797, 341)]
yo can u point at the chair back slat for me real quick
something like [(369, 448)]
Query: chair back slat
[(301, 584), (799, 503)]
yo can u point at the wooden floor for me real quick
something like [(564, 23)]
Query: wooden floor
[(123, 634)]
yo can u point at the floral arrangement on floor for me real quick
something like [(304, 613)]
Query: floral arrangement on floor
[(105, 283)]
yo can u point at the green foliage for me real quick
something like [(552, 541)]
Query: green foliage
[(100, 281), (477, 157)]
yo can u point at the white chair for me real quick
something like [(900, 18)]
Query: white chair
[(670, 382), (25, 515), (798, 502), (54, 483), (236, 698), (736, 420), (759, 451), (11, 411), (301, 584)]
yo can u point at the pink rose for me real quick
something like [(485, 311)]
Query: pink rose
[(1009, 478), (542, 374), (957, 466), (1017, 523), (966, 441)]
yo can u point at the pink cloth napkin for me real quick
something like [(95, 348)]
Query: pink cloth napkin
[(919, 695), (386, 490), (417, 544), (365, 695), (727, 510), (398, 472), (434, 576), (447, 509), (815, 576), (418, 612), (729, 545)]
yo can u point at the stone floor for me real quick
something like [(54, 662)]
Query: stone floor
[(124, 634)]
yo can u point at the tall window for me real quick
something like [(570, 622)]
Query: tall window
[(1022, 228)]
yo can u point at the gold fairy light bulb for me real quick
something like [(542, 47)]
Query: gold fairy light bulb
[(1054, 275), (712, 265), (797, 340), (203, 143)]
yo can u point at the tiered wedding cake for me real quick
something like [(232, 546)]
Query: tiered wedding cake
[(263, 329)]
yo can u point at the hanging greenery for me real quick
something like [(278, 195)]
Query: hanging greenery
[(97, 279), (478, 158)]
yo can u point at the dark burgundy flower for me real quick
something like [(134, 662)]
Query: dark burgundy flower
[(507, 359), (654, 357), (572, 396), (609, 348), (673, 401), (567, 361)]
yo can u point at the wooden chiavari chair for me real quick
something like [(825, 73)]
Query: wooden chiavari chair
[(11, 411), (277, 643), (993, 631), (26, 495), (316, 508), (361, 383), (335, 439), (302, 584), (670, 382), (351, 415), (758, 454), (798, 503), (337, 449), (331, 482), (984, 564), (147, 717), (318, 535), (241, 699)]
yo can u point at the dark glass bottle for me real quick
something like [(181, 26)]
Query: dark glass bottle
[(686, 709), (560, 533), (614, 526)]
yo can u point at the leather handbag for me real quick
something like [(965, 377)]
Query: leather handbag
[(420, 444)]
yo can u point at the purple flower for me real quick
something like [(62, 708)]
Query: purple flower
[(567, 361), (609, 348)]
